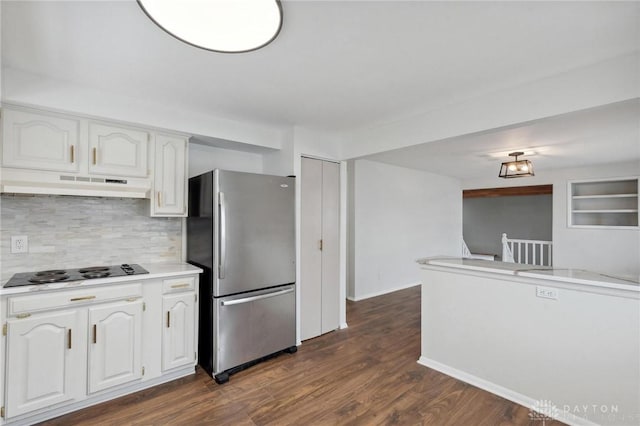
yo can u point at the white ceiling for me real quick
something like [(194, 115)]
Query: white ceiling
[(342, 65), (608, 134)]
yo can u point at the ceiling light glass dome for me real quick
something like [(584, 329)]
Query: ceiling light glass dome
[(228, 26)]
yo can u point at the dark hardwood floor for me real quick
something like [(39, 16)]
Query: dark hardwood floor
[(364, 375)]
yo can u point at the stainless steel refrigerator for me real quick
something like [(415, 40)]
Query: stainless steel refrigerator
[(241, 232)]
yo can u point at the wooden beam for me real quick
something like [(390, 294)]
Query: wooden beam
[(508, 192)]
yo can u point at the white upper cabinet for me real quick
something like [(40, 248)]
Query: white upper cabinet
[(37, 141), (62, 154), (170, 176), (117, 151)]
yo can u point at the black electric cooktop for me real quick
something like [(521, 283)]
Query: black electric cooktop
[(67, 275)]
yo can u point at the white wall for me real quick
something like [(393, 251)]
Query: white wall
[(29, 89), (281, 162), (609, 81), (579, 352), (203, 158), (400, 215), (612, 251)]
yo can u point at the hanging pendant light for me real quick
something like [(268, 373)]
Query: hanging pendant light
[(227, 26), (516, 168)]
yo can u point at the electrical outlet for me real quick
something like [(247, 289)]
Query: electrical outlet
[(547, 292), (19, 244)]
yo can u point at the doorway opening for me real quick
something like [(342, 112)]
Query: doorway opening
[(523, 213)]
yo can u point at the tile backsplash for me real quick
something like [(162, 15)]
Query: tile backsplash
[(72, 232)]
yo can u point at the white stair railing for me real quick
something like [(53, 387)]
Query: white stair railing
[(466, 253), (531, 252)]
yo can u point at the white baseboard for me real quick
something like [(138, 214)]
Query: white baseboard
[(46, 414), (343, 326), (511, 395), (380, 293)]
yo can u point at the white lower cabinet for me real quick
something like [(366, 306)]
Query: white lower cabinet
[(69, 349), (116, 345), (46, 355), (178, 337)]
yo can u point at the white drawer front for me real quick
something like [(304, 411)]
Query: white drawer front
[(59, 299), (178, 284)]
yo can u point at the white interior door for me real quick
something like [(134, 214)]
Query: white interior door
[(310, 253), (319, 248), (330, 246)]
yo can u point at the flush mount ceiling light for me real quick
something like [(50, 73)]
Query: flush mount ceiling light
[(516, 168), (228, 26)]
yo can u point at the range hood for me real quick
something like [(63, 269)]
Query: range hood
[(17, 181)]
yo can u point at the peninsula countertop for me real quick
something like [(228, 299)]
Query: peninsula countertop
[(564, 275)]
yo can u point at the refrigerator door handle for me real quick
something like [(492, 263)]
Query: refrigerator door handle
[(253, 298), (223, 235)]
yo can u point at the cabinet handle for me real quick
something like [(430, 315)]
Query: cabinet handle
[(159, 198), (320, 246), (95, 333), (69, 332), (73, 154), (168, 319), (180, 285), (76, 299), (95, 156)]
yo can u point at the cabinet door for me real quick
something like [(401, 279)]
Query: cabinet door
[(38, 141), (117, 151), (170, 176), (178, 338), (115, 345), (46, 359)]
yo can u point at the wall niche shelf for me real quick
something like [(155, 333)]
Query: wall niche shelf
[(610, 203)]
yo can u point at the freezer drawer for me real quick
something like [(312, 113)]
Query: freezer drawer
[(251, 325)]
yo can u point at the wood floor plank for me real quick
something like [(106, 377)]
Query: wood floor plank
[(364, 375)]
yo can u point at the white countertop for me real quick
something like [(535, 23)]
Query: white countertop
[(566, 275), (156, 271)]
